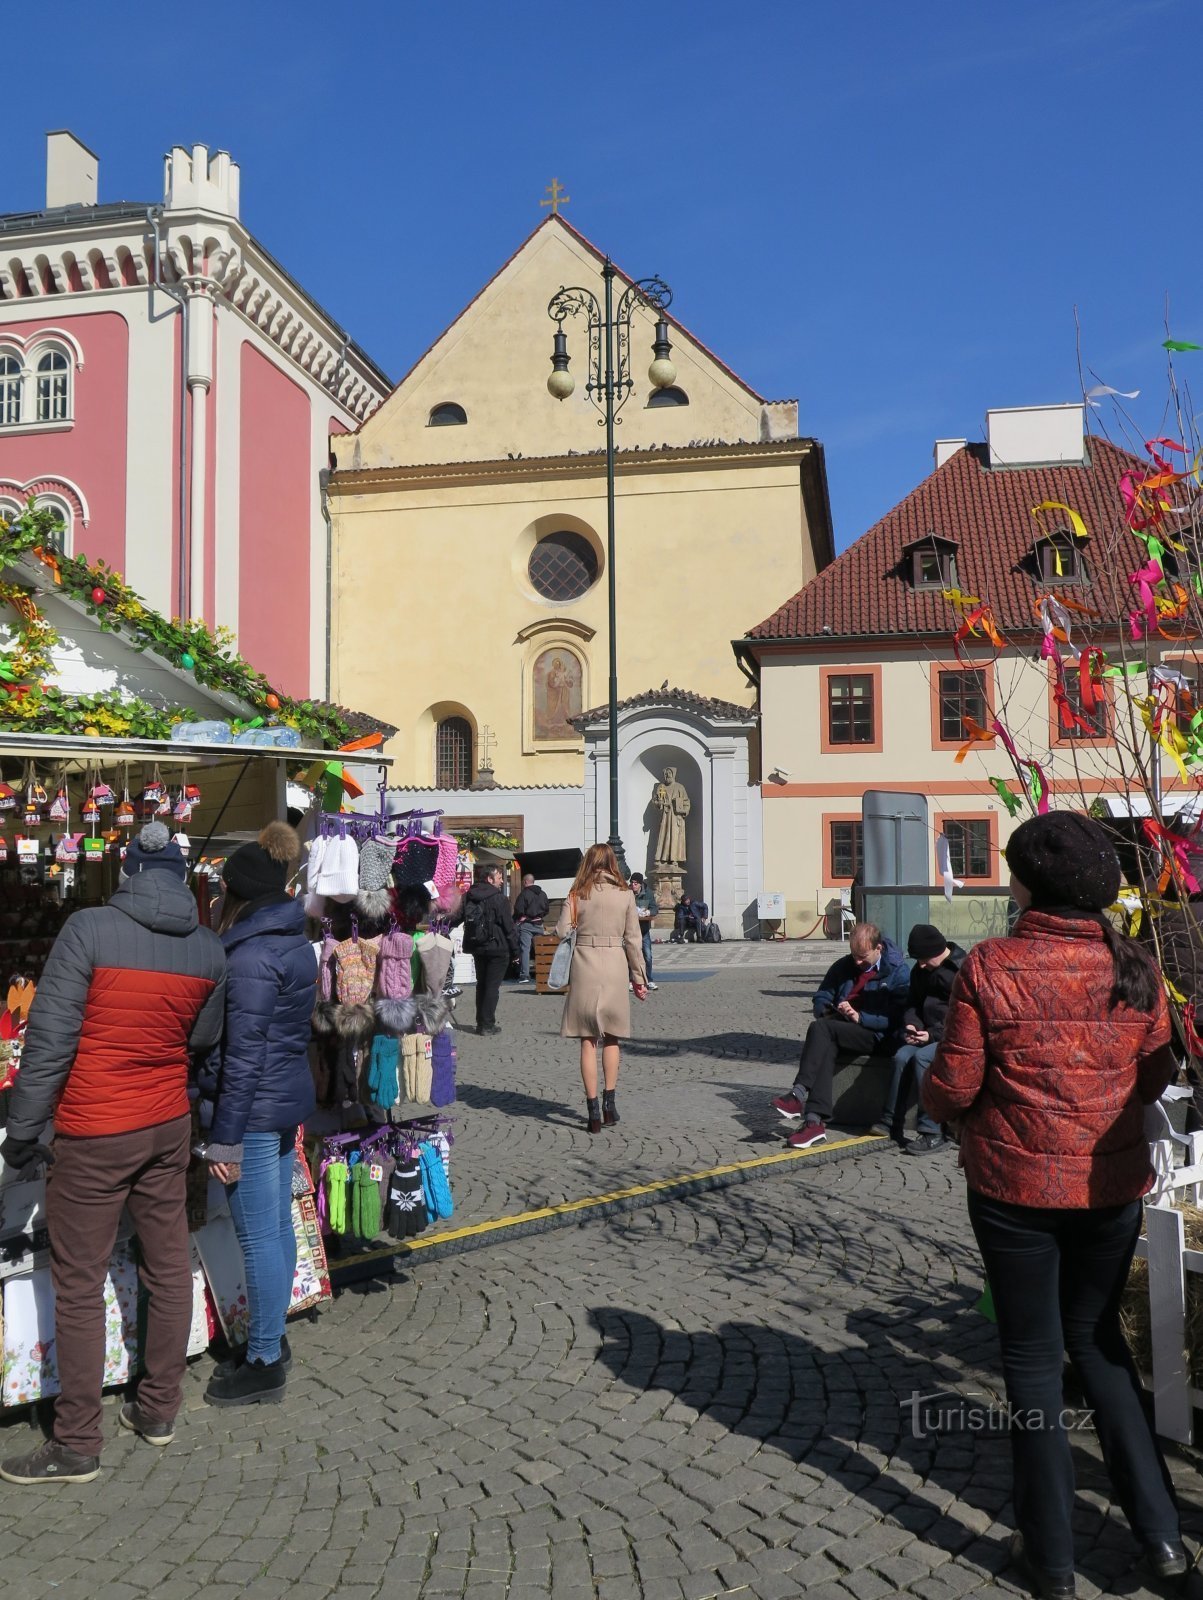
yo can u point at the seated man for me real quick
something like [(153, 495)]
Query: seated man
[(701, 921), (937, 962), (857, 1005), (685, 921)]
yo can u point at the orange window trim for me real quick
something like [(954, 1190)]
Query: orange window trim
[(937, 667), (1057, 738), (829, 879), (993, 876), (857, 669)]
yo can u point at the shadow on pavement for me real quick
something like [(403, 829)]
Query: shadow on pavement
[(838, 1414), (516, 1104), (726, 1046)]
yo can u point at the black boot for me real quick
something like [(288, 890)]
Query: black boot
[(253, 1383), (228, 1367), (594, 1109), (1047, 1585), (1167, 1559), (610, 1110)]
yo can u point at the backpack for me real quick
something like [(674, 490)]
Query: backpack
[(712, 934), (478, 925)]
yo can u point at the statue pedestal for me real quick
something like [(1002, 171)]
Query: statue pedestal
[(668, 885)]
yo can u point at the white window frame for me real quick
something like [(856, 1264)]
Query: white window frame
[(60, 412), (16, 379), (59, 503), (60, 389)]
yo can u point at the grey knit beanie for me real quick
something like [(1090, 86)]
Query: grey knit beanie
[(154, 847), (376, 864)]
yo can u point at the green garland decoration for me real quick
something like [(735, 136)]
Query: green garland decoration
[(211, 656)]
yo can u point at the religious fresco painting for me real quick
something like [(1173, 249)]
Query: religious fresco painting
[(556, 694)]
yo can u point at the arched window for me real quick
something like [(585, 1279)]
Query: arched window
[(10, 389), (563, 566), (448, 415), (672, 396), (453, 753), (53, 387), (10, 511), (61, 512)]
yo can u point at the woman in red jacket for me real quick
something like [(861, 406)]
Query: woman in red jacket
[(1057, 1038)]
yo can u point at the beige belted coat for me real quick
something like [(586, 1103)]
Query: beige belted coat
[(609, 953)]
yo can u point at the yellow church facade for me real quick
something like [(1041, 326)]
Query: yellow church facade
[(469, 581)]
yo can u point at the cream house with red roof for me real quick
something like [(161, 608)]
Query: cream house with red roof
[(861, 687), (469, 518)]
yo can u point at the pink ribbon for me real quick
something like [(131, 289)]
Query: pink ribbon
[(1143, 582)]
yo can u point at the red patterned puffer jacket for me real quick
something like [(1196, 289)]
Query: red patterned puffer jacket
[(1049, 1084)]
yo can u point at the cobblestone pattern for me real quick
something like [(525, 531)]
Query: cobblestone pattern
[(704, 1398)]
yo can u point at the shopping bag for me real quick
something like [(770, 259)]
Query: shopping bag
[(561, 962)]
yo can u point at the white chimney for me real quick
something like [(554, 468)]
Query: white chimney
[(1030, 436), (71, 171), (945, 449)]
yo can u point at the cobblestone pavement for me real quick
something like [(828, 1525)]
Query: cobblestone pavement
[(704, 1397)]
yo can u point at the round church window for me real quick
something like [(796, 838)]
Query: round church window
[(563, 566)]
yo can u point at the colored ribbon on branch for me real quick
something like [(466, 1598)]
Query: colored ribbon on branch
[(944, 866), (1007, 795), (1092, 663), (1030, 773), (977, 735), (1175, 856), (1144, 581), (981, 617)]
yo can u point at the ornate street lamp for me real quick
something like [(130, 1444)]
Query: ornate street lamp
[(609, 388)]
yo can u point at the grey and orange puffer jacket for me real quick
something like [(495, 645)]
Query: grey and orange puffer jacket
[(1048, 1082), (130, 991)]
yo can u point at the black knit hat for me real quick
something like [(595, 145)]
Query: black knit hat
[(263, 868), (1065, 859), (925, 942), (154, 847)]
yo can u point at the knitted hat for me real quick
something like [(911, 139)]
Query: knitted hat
[(154, 847), (264, 867), (1065, 859), (376, 863), (925, 943)]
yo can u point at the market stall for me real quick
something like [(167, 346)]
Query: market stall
[(111, 715)]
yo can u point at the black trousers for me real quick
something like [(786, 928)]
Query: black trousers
[(825, 1038), (491, 967), (1057, 1278)]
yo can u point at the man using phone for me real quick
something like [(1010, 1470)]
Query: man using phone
[(647, 908), (937, 962)]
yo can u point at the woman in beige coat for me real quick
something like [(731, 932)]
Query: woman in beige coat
[(601, 908)]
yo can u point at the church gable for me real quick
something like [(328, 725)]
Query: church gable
[(480, 392)]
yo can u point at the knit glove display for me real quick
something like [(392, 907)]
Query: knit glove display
[(365, 1202), (382, 1070), (336, 1196), (406, 1214), (435, 1188)]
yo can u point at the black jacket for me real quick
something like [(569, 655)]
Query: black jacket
[(500, 934), (927, 1003), (532, 905), (259, 1081)]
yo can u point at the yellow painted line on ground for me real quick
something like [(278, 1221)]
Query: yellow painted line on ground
[(569, 1207)]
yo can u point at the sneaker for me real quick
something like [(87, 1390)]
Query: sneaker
[(255, 1382), (925, 1144), (789, 1106), (803, 1138), (228, 1367), (652, 985), (882, 1126), (133, 1417), (51, 1462)]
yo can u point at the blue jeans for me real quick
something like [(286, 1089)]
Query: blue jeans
[(261, 1205), (915, 1058), (528, 932), (647, 951)]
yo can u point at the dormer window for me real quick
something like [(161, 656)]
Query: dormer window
[(448, 415), (933, 563), (1060, 558)]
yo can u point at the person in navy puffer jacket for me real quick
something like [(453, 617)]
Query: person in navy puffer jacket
[(255, 1091)]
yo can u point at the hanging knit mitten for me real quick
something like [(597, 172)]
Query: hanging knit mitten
[(336, 1196), (406, 1207), (410, 1044), (435, 1187), (422, 1069), (382, 1070), (442, 1086), (366, 1202)]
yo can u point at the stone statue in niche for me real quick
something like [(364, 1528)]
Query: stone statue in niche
[(672, 802), (556, 695)]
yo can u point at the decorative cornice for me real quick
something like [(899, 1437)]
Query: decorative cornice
[(380, 480), (557, 625)]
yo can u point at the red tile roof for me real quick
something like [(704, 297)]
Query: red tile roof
[(987, 511)]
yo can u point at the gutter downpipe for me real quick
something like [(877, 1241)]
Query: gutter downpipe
[(155, 218), (323, 486)]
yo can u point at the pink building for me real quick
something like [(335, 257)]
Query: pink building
[(170, 390)]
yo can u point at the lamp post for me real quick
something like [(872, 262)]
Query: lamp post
[(609, 388)]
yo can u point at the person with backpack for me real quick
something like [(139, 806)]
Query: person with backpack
[(491, 939)]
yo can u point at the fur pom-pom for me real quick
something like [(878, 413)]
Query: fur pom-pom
[(374, 904), (433, 1011), (355, 1022), (449, 902), (412, 904), (395, 1016), (323, 1019), (281, 842)]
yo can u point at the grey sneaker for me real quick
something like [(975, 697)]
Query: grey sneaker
[(51, 1462), (133, 1417)]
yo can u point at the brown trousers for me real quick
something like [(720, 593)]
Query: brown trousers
[(89, 1184)]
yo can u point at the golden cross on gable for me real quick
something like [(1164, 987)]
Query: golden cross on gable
[(558, 197)]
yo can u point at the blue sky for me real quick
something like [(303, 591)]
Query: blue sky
[(888, 211)]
